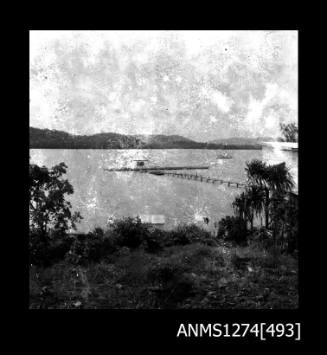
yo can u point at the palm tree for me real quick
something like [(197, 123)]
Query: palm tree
[(270, 180), (280, 182), (255, 197), (289, 132), (258, 175), (279, 179), (242, 208), (256, 171), (239, 206)]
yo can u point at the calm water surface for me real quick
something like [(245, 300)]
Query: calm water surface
[(99, 194)]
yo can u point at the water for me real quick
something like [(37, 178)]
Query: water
[(99, 194)]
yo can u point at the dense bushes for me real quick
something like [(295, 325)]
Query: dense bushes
[(233, 229), (188, 234), (125, 234), (46, 250), (156, 240), (263, 236), (129, 232), (91, 247)]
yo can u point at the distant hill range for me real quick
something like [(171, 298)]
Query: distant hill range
[(242, 140), (53, 139)]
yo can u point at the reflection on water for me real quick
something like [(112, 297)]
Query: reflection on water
[(99, 194)]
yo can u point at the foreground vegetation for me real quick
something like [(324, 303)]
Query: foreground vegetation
[(184, 268)]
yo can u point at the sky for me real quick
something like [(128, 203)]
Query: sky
[(203, 85)]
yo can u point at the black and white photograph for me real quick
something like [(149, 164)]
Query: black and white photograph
[(163, 169)]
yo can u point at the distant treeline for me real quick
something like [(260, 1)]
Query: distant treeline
[(53, 139), (197, 145)]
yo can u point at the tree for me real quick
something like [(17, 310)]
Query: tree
[(268, 192), (289, 132), (284, 213), (255, 197), (48, 207), (258, 175), (249, 204), (267, 182), (242, 208), (279, 179)]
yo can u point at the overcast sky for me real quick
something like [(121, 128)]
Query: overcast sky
[(202, 85)]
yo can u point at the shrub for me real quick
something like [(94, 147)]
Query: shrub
[(188, 234), (130, 232), (59, 247), (91, 247), (181, 288), (38, 249), (77, 253), (102, 272), (45, 250), (163, 273), (233, 229), (99, 244), (292, 217), (133, 269), (239, 262), (155, 240), (123, 252)]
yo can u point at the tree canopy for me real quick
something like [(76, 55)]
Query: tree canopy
[(289, 132), (269, 194), (48, 207)]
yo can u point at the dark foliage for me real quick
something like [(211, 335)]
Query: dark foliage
[(284, 225), (233, 229), (92, 247), (263, 236), (50, 214), (129, 232), (175, 284), (289, 132), (188, 234), (46, 250), (268, 196), (49, 209), (155, 240)]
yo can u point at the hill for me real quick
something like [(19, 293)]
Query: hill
[(53, 139), (242, 141)]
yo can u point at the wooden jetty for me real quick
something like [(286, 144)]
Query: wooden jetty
[(167, 171), (206, 179), (146, 169)]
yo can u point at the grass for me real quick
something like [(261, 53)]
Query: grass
[(180, 276)]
